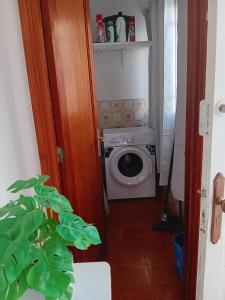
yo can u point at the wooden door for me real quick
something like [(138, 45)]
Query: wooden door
[(211, 256), (68, 51)]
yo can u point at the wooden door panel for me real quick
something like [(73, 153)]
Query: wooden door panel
[(37, 72), (69, 62), (196, 74)]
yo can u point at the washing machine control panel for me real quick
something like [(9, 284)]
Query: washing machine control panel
[(121, 140), (128, 140)]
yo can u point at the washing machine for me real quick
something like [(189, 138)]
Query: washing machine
[(129, 155)]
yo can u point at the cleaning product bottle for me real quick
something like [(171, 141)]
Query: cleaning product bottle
[(121, 35), (100, 29), (110, 32), (132, 29)]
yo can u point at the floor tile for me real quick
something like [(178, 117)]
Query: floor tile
[(132, 283), (124, 251), (163, 274), (170, 292), (142, 260)]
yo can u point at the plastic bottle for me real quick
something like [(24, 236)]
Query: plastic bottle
[(110, 32), (132, 29), (100, 29), (121, 35)]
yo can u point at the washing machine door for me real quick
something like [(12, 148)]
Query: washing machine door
[(131, 166)]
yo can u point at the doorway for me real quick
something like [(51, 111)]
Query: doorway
[(136, 87), (39, 86)]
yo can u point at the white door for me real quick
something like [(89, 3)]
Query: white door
[(211, 260)]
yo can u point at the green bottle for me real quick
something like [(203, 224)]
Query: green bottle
[(110, 32)]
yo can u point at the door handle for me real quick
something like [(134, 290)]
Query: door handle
[(218, 207), (100, 139), (221, 201)]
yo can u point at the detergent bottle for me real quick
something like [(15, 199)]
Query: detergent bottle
[(121, 35), (100, 29)]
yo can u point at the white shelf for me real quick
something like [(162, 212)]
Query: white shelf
[(98, 47)]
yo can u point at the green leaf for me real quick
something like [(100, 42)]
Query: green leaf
[(15, 290), (20, 185), (48, 229), (28, 224), (50, 272), (20, 217), (73, 229), (49, 197), (28, 203), (8, 216), (13, 258), (92, 234)]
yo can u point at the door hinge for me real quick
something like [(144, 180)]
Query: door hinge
[(60, 153), (203, 118)]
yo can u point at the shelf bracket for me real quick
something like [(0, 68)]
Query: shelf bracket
[(123, 58)]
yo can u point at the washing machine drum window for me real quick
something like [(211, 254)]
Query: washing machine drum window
[(131, 166)]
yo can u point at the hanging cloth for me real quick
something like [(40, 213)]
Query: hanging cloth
[(178, 174), (161, 21)]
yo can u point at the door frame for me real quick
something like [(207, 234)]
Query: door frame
[(40, 93), (196, 80), (36, 62)]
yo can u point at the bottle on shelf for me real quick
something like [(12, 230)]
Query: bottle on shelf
[(121, 35), (131, 25), (110, 32), (100, 29)]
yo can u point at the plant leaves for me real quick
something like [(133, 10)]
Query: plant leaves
[(28, 203), (20, 185), (13, 258), (48, 229), (28, 224), (49, 197), (50, 272), (15, 290), (8, 216), (74, 229), (92, 234), (20, 217)]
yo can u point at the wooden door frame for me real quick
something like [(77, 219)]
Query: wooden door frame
[(40, 94), (35, 55), (196, 80)]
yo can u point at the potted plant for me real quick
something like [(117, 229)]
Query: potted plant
[(34, 250)]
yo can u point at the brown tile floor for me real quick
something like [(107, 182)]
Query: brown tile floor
[(142, 260)]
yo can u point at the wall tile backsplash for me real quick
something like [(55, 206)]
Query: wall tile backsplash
[(123, 113)]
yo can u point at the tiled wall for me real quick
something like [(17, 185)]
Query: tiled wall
[(123, 113)]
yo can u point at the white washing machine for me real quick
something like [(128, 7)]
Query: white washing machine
[(130, 162)]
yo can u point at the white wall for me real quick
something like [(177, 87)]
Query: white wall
[(122, 75), (18, 150)]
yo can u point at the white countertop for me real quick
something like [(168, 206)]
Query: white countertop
[(93, 282)]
